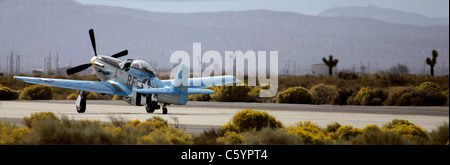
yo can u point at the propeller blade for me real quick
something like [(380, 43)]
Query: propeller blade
[(78, 68), (91, 34), (120, 54)]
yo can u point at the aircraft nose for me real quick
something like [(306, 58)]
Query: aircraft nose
[(93, 60)]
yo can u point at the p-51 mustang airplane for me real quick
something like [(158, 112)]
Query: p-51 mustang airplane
[(135, 80)]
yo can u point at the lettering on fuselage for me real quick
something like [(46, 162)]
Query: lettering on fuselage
[(100, 70), (131, 81), (140, 84)]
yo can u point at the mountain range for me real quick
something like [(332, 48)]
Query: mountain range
[(387, 15), (33, 29)]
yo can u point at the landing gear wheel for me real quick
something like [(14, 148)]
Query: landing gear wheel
[(82, 107), (151, 106), (81, 103), (149, 109), (164, 110)]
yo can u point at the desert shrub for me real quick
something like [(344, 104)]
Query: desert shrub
[(200, 97), (231, 138), (232, 93), (408, 129), (269, 136), (424, 97), (371, 127), (156, 122), (137, 132), (378, 93), (367, 96), (309, 132), (446, 93), (8, 94), (72, 96), (343, 94), (92, 96), (255, 93), (347, 75), (164, 134), (433, 89), (373, 135), (117, 97), (11, 134), (347, 132), (392, 79), (249, 119), (37, 92), (407, 96), (117, 121), (208, 137), (429, 85), (323, 94), (129, 131), (29, 121), (395, 95), (439, 136), (298, 95), (169, 136), (46, 131), (363, 96), (333, 127)]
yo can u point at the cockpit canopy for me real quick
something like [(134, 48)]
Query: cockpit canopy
[(138, 65), (142, 66)]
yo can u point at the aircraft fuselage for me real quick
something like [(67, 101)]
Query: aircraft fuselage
[(110, 69)]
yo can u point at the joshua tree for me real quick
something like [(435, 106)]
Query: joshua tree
[(330, 63), (432, 61)]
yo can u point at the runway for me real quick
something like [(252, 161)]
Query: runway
[(198, 116)]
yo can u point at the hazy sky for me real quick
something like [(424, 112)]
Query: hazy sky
[(431, 8)]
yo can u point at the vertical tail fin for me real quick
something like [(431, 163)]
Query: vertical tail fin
[(180, 82), (182, 76)]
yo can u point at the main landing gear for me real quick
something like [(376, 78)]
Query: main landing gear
[(81, 102), (152, 106)]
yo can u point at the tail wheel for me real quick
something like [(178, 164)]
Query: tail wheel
[(164, 110)]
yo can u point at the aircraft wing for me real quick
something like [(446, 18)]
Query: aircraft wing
[(207, 81), (92, 86)]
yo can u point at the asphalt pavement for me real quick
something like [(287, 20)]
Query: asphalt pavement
[(195, 116)]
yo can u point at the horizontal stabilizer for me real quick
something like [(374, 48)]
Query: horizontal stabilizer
[(203, 82), (168, 91), (194, 91)]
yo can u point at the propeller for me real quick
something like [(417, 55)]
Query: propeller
[(91, 34), (82, 67), (120, 54), (78, 68)]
